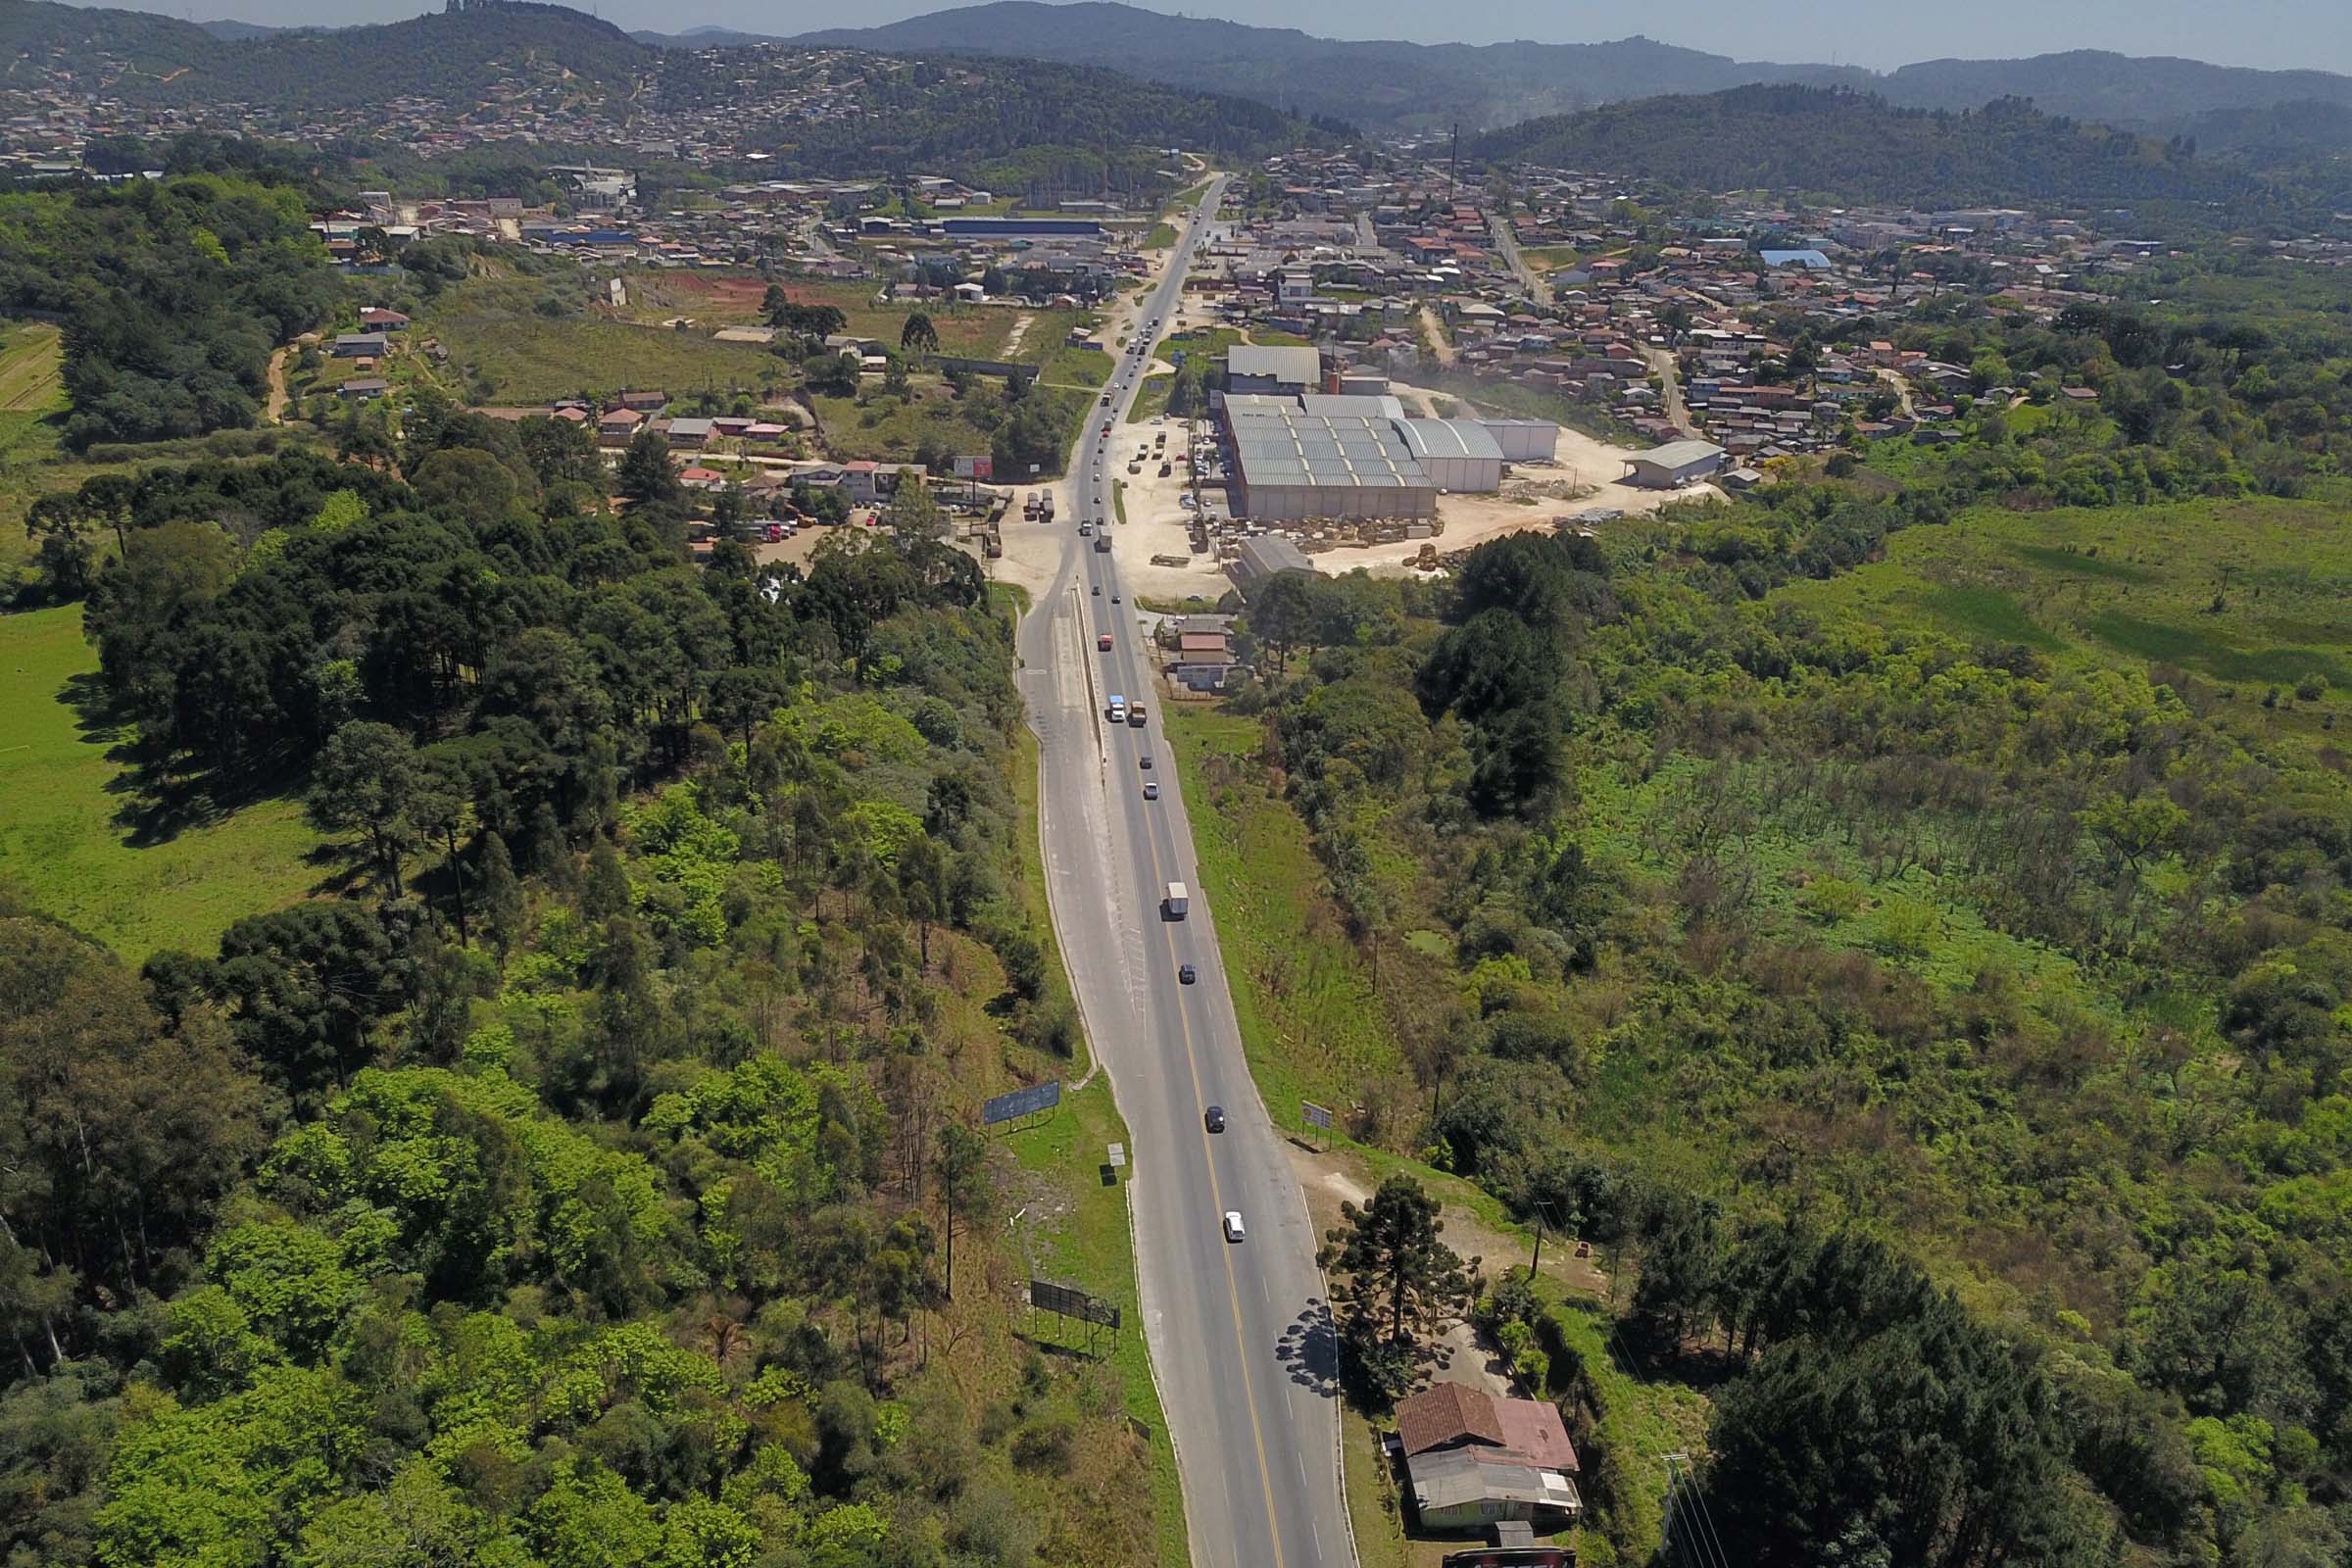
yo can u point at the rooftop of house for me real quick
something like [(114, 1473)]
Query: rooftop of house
[(1448, 1414)]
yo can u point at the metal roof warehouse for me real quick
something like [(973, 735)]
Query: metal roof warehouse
[(1289, 464)]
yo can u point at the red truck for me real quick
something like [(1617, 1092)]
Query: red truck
[(1103, 642)]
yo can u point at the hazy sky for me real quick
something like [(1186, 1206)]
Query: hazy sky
[(1879, 34)]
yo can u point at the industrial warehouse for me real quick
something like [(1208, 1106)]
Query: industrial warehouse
[(1359, 456)]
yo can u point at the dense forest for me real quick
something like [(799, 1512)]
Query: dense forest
[(590, 1179), (172, 295), (1946, 1035), (1858, 147), (2190, 399)]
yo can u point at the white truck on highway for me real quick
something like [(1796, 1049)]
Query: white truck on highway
[(1175, 900), (1116, 709)]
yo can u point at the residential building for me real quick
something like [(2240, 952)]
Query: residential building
[(1675, 465), (1280, 371), (1472, 1459)]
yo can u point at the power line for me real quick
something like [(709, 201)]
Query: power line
[(1696, 1501), (1695, 1535)]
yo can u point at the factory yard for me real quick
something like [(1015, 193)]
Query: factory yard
[(1536, 497)]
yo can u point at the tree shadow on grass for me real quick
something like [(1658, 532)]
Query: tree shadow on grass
[(158, 802)]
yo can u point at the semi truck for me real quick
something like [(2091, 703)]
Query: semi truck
[(1175, 900), (1135, 714), (1117, 708)]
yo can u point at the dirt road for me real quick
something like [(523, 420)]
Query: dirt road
[(274, 410), (1438, 343)]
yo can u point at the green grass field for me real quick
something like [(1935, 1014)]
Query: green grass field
[(61, 845), (31, 400), (1058, 363), (888, 428), (973, 331), (2250, 595), (490, 325)]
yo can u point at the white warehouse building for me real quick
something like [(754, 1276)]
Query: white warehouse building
[(1525, 440), (1334, 455), (1457, 454)]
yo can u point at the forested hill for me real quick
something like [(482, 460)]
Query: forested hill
[(42, 35), (1007, 119), (1003, 123), (453, 55), (1379, 84), (1857, 147), (597, 1184), (2155, 92)]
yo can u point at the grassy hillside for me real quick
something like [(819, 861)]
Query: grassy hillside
[(2247, 597)]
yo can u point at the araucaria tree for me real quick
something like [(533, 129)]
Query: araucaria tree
[(1395, 1283)]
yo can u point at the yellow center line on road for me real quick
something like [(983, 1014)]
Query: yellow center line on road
[(1233, 1289)]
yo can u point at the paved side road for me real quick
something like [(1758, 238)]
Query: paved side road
[(1239, 1333)]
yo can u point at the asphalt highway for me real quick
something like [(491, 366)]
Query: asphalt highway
[(1239, 1331)]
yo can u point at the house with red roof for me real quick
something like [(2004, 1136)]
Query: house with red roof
[(1473, 1460)]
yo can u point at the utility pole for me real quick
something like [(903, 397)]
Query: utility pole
[(1454, 166)]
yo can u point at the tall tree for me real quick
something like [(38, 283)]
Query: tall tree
[(368, 782), (1396, 1280), (501, 894), (647, 476), (965, 1189)]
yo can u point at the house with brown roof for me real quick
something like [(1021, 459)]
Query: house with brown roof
[(1472, 1459)]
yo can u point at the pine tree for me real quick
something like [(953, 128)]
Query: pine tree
[(501, 894), (608, 889)]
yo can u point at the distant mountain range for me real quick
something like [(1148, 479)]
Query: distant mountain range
[(2302, 116), (1025, 126), (1382, 86), (1857, 147), (1390, 86)]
